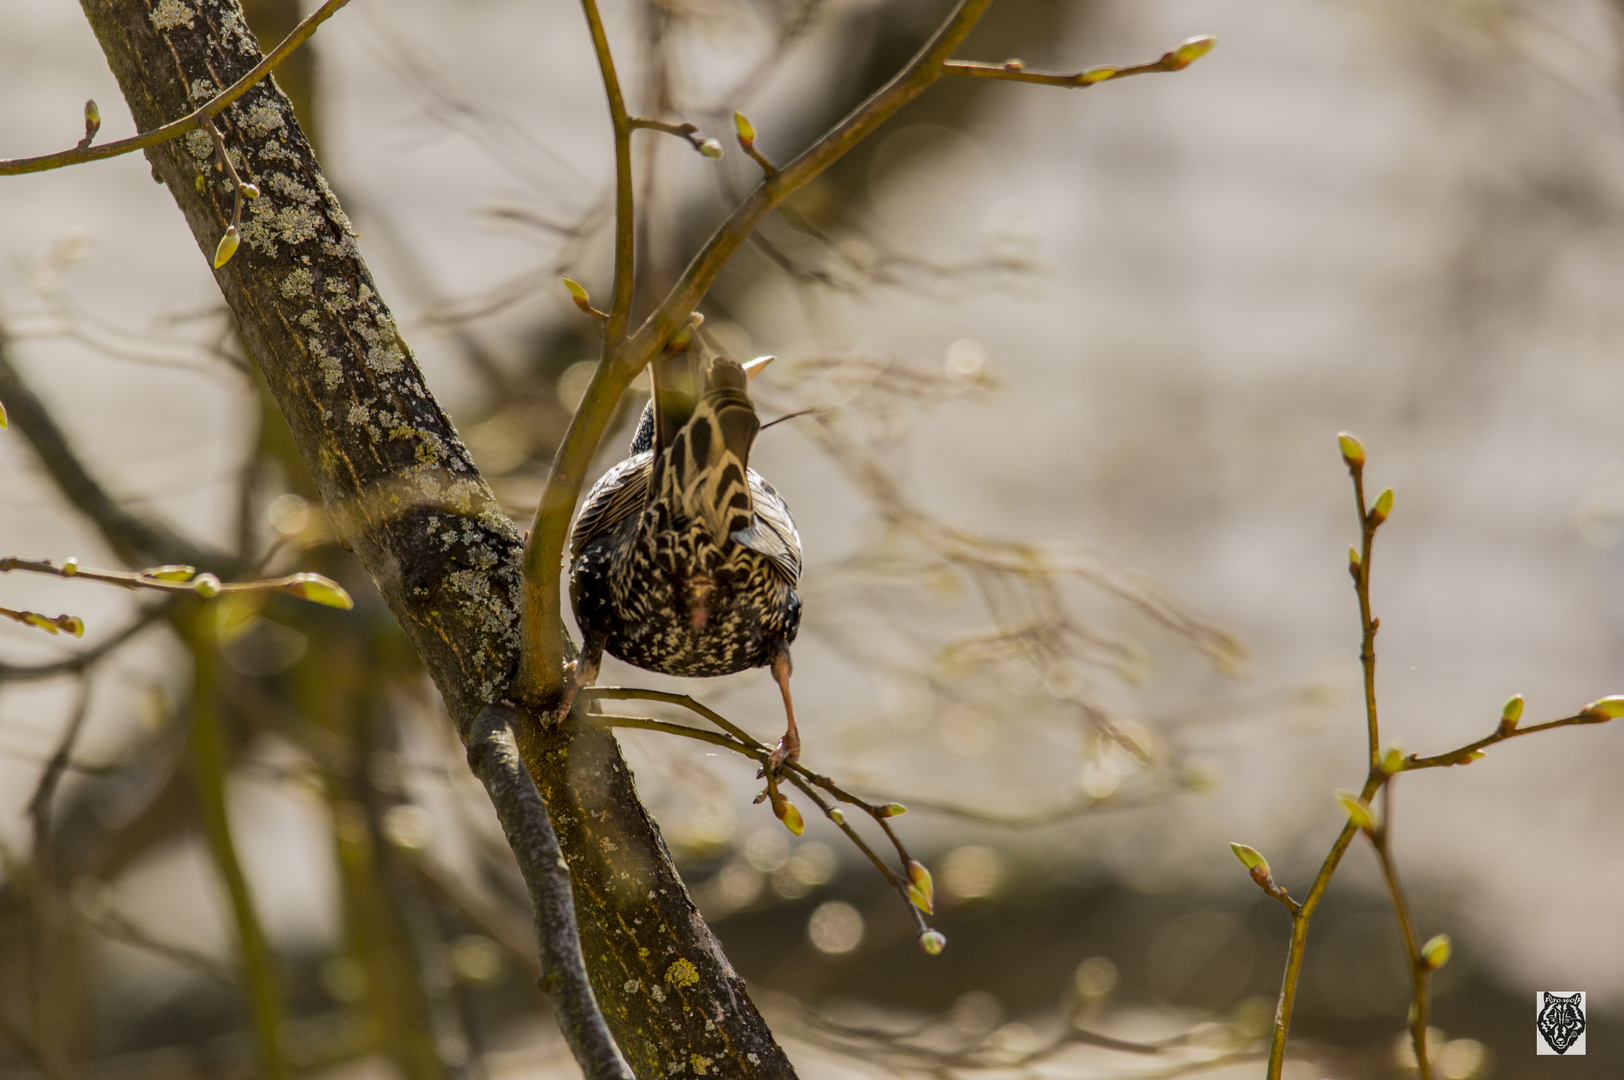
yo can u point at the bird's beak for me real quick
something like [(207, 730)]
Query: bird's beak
[(755, 367)]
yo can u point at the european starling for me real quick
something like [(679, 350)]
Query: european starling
[(684, 560)]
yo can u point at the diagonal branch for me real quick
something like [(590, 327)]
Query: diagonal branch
[(174, 129)]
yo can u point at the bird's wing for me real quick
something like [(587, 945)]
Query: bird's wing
[(772, 530), (618, 495)]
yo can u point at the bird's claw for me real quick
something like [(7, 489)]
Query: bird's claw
[(787, 752)]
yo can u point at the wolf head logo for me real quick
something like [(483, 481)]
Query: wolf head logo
[(1561, 1020)]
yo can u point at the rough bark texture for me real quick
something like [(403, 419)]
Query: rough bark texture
[(404, 494)]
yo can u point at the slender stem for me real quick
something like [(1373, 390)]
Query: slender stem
[(1367, 624), (208, 773), (176, 128), (1015, 71), (1464, 755), (1419, 972), (625, 246)]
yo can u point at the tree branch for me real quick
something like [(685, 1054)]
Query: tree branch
[(494, 758), (196, 118)]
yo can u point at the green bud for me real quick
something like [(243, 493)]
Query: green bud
[(894, 809), (838, 816), (711, 148), (1353, 451), (248, 191), (1435, 953), (1355, 562), (319, 590), (747, 131), (206, 585), (72, 624), (920, 890), (1607, 708), (227, 247), (92, 115), (70, 567), (1392, 759), (1250, 857), (41, 622), (1358, 811), (790, 816), (4, 423), (170, 573), (1511, 712), (1192, 50), (1383, 507), (1098, 74), (933, 942)]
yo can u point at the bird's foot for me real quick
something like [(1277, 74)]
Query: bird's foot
[(787, 752)]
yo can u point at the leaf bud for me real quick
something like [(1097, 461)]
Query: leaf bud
[(920, 890), (1098, 74), (790, 816), (1355, 562), (72, 624), (710, 148), (227, 247), (894, 809), (319, 590), (206, 585), (933, 942), (248, 191), (746, 130), (173, 572), (1435, 953), (92, 117), (1392, 758), (1607, 708), (1353, 451), (838, 816), (1358, 811), (1511, 713), (1383, 507), (1193, 49), (4, 423), (35, 619), (578, 293), (1250, 857), (70, 567)]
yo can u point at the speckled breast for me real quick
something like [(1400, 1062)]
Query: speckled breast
[(673, 600)]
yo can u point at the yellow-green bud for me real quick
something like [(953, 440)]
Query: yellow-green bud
[(746, 130), (894, 809), (1098, 74), (578, 293), (92, 115), (72, 624), (206, 585), (1607, 708), (172, 572), (320, 590), (248, 191), (921, 890), (1353, 451), (1435, 953), (1511, 712), (227, 247), (1355, 562), (933, 941), (838, 816), (1392, 759), (1358, 811), (790, 816), (1383, 507), (1191, 51), (1250, 857), (35, 619), (4, 423), (70, 567), (711, 148)]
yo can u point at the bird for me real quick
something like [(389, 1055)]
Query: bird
[(684, 560)]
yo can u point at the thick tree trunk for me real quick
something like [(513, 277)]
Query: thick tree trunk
[(404, 495)]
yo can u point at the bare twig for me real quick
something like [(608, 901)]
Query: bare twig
[(83, 661), (1014, 71), (196, 118), (494, 758), (186, 579), (687, 132)]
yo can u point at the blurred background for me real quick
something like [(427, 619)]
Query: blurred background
[(1074, 517)]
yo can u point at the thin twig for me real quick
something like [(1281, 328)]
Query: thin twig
[(1420, 971), (494, 758), (196, 118), (1014, 71)]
